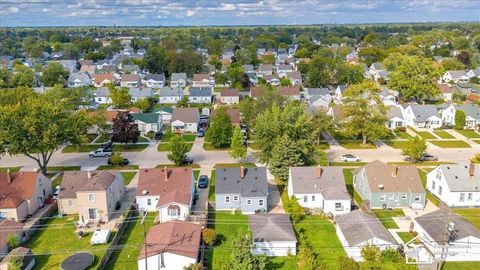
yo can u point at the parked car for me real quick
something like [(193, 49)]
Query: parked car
[(101, 152), (428, 157), (57, 192), (200, 133), (349, 158), (107, 145), (158, 135), (244, 127), (187, 160), (203, 181), (122, 163)]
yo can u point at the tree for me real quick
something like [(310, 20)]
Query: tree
[(415, 78), (364, 112), (294, 209), (178, 150), (13, 241), (320, 71), (321, 122), (346, 263), (154, 60), (220, 132), (54, 73), (37, 125), (460, 118), (245, 83), (209, 236), (120, 97), (23, 76), (349, 74), (285, 154), (464, 58), (285, 82), (371, 55), (195, 266), (390, 255), (237, 149), (234, 74), (452, 64), (116, 158), (268, 59), (415, 148), (143, 104), (124, 128), (370, 253), (15, 262), (241, 257)]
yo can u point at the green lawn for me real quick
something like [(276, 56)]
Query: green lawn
[(150, 135), (162, 147), (103, 138), (353, 144), (63, 168), (116, 147), (58, 241), (385, 216), (405, 236), (227, 227), (323, 145), (115, 167), (397, 144), (209, 147), (196, 173), (450, 144), (189, 137), (430, 196), (403, 135), (443, 134), (471, 134), (128, 176), (143, 139), (12, 169), (425, 134), (126, 258), (91, 137), (349, 183), (211, 191), (461, 265), (167, 136), (57, 181), (471, 214)]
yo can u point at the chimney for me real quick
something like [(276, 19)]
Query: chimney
[(89, 175), (242, 171), (165, 172), (471, 169), (9, 176), (319, 171), (394, 170)]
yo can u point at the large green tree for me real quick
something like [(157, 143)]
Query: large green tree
[(219, 134), (364, 112), (121, 98), (320, 71), (154, 60), (415, 148), (54, 73), (241, 257), (349, 74), (237, 149), (178, 150), (22, 76)]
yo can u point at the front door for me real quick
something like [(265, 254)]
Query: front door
[(92, 213)]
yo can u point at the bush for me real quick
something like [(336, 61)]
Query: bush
[(370, 253), (476, 159), (296, 211), (13, 241), (209, 236), (346, 263), (116, 159), (390, 255), (460, 118)]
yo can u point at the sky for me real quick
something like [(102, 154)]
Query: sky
[(231, 12)]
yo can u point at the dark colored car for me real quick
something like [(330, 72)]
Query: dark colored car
[(200, 133), (106, 145), (123, 163), (203, 181), (428, 157), (188, 160), (158, 135)]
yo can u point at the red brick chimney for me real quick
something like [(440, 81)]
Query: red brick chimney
[(242, 171), (394, 170), (319, 171), (471, 169)]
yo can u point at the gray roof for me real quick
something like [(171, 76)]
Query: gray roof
[(102, 92), (358, 227), (200, 91), (318, 91), (393, 112), (423, 112), (457, 74), (170, 92), (155, 77), (271, 227), (253, 184), (472, 110), (140, 92), (247, 68), (376, 65), (435, 224), (458, 176), (342, 88), (83, 77), (476, 72), (178, 76), (330, 184), (284, 67)]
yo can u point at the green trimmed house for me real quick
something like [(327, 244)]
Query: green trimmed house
[(147, 122)]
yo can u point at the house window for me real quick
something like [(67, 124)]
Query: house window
[(235, 198), (305, 198), (391, 196), (260, 202), (404, 196), (439, 190), (149, 201), (439, 175), (417, 198), (462, 197), (249, 202), (174, 211), (92, 213), (338, 207), (70, 203), (470, 196), (313, 198), (91, 197), (382, 197), (227, 199), (433, 185)]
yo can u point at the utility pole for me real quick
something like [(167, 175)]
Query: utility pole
[(449, 236), (145, 238)]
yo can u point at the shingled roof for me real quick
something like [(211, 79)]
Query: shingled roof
[(16, 187), (271, 227), (328, 181)]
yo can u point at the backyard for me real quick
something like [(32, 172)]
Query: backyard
[(386, 217)]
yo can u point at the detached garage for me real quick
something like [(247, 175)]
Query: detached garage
[(273, 235)]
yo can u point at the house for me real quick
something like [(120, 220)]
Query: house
[(474, 73), (26, 257), (248, 69), (457, 76), (22, 193), (446, 91), (244, 188), (154, 80), (339, 92), (130, 69), (320, 188), (264, 70), (229, 96), (92, 195), (448, 237), (295, 77), (170, 95), (203, 80), (422, 116), (272, 235), (174, 245), (375, 68), (272, 79), (130, 80), (166, 190), (395, 118), (79, 80), (283, 70), (102, 95), (389, 186), (9, 227), (106, 68), (185, 120), (456, 184), (178, 80), (357, 229), (137, 93), (200, 94), (69, 65), (389, 97), (165, 113), (228, 54), (381, 75), (147, 122), (472, 112), (291, 92), (234, 114), (109, 116), (87, 68), (318, 97), (101, 80)]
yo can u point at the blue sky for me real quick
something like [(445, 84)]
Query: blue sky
[(231, 12)]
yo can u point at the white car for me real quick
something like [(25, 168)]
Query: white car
[(101, 152), (349, 158)]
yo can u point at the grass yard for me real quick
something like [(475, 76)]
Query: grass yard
[(196, 173), (405, 236), (91, 137), (403, 135), (425, 134), (143, 139), (450, 144), (347, 173), (103, 138), (254, 146), (323, 145), (12, 169), (227, 227), (150, 135), (162, 147), (58, 240), (352, 144), (126, 258), (189, 137), (282, 263), (471, 214), (115, 167), (209, 147), (63, 168), (397, 144), (116, 147), (57, 181), (471, 134), (443, 134), (211, 190), (167, 136), (128, 176), (461, 265), (385, 216)]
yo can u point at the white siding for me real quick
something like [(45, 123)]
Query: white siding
[(276, 248), (171, 262)]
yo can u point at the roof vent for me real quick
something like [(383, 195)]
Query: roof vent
[(144, 192), (380, 186)]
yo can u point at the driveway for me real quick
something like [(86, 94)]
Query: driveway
[(200, 206)]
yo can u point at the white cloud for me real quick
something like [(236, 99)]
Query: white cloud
[(45, 9), (13, 9), (190, 13)]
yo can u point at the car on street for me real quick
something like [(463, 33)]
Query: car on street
[(124, 162), (203, 181), (424, 157), (187, 160), (201, 132), (349, 158), (101, 152)]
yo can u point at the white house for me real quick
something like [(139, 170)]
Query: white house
[(357, 229), (79, 80), (147, 122), (178, 80), (472, 112), (130, 80), (185, 120), (456, 184), (168, 191), (395, 117), (229, 96), (200, 94), (203, 80), (318, 97), (389, 98), (422, 116), (173, 245), (474, 73), (154, 80), (272, 235), (457, 76), (137, 93), (165, 113), (102, 95), (169, 95), (320, 188)]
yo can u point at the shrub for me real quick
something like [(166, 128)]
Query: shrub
[(296, 211), (476, 159), (346, 263), (370, 253), (460, 118), (390, 255), (13, 241), (209, 236), (116, 159)]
